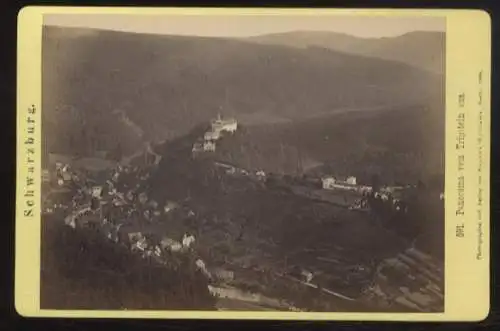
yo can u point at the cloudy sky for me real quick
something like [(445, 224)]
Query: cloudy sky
[(250, 25)]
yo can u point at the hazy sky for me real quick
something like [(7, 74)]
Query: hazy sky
[(248, 25)]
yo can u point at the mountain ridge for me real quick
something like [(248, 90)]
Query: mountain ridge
[(168, 84), (406, 48)]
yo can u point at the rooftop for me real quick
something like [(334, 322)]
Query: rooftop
[(220, 120)]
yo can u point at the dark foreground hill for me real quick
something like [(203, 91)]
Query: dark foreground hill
[(244, 225), (81, 269), (104, 87), (281, 217)]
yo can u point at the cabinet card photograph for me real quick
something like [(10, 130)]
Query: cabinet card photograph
[(293, 164)]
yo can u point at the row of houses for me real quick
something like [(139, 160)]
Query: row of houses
[(236, 171), (350, 183), (331, 183), (126, 217), (126, 214)]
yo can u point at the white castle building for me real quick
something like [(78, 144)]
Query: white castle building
[(210, 137), (220, 125)]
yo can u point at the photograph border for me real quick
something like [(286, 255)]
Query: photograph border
[(468, 53)]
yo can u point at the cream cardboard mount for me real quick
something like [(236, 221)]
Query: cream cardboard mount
[(292, 164)]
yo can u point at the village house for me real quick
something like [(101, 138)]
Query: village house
[(188, 240), (328, 183), (157, 251), (134, 236), (331, 183), (308, 276), (170, 244), (58, 160), (97, 192), (45, 176), (111, 186), (345, 186), (114, 192), (197, 147), (260, 173), (101, 154), (211, 135), (360, 204), (169, 206), (351, 180), (202, 267), (140, 245), (137, 241), (112, 232), (115, 176), (365, 189), (223, 275), (209, 146), (64, 173), (143, 198), (219, 125), (153, 204)]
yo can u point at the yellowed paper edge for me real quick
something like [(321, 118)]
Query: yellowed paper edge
[(467, 281)]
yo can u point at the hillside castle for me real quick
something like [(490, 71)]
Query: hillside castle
[(217, 128)]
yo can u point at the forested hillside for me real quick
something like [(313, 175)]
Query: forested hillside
[(104, 87)]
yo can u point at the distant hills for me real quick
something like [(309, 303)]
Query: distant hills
[(103, 88), (422, 49)]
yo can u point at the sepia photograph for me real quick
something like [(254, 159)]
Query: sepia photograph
[(243, 163)]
